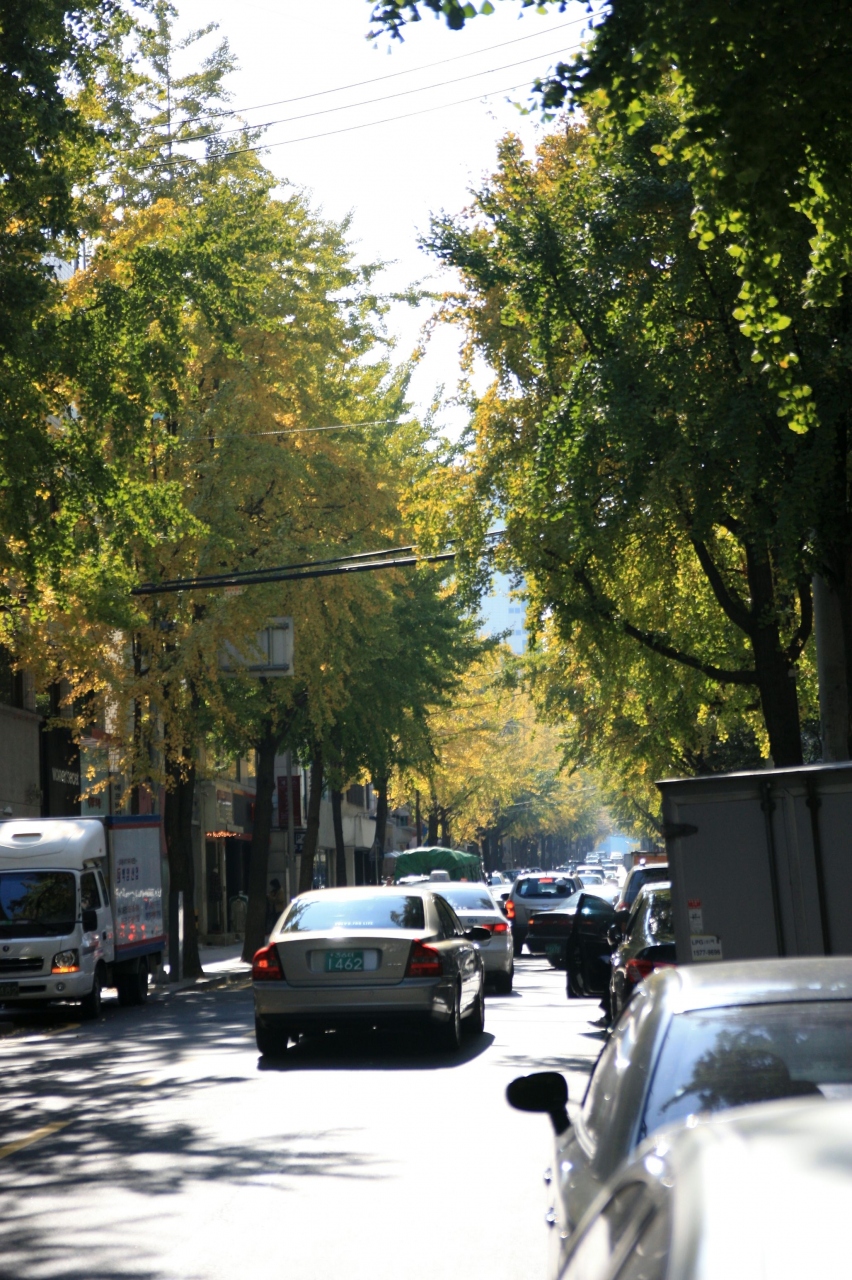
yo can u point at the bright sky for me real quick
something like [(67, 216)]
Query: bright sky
[(389, 176)]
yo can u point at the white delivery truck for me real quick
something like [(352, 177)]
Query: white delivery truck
[(81, 908), (760, 862)]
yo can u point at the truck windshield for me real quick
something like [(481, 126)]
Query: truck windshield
[(37, 903)]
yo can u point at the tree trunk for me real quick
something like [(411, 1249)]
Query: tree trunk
[(418, 822), (306, 871), (776, 676), (337, 819), (177, 822), (432, 831), (445, 828), (831, 669), (381, 788), (259, 857)]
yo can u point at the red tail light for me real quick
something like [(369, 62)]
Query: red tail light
[(510, 908), (621, 906), (266, 967), (500, 927), (424, 961), (636, 970)]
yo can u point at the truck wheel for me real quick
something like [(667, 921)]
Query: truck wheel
[(133, 987), (271, 1041), (90, 1005)]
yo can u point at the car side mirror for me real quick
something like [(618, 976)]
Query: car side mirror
[(90, 920), (544, 1091), (478, 934), (614, 935)]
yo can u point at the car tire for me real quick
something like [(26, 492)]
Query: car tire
[(90, 1005), (503, 982), (474, 1023), (448, 1034), (272, 1042)]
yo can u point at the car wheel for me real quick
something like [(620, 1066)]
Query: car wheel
[(448, 1035), (503, 982), (271, 1041), (90, 1005), (474, 1023)]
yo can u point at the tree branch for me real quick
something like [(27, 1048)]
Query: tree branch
[(731, 604), (806, 620)]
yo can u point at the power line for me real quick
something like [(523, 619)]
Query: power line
[(368, 102), (359, 562), (412, 71), (351, 128)]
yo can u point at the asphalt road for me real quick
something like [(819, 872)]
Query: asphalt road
[(156, 1145)]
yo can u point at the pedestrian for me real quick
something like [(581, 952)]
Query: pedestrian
[(239, 910)]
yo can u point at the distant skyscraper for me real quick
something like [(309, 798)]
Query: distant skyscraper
[(502, 612)]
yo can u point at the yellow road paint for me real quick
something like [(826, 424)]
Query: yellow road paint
[(45, 1132)]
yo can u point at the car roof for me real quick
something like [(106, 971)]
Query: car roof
[(361, 891), (720, 983)]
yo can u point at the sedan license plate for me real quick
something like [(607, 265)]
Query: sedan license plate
[(553, 948), (344, 961), (8, 989)]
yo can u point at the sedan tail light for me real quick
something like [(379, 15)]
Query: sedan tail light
[(636, 970), (499, 927), (424, 961), (266, 967)]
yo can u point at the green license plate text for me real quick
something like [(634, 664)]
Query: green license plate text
[(344, 961)]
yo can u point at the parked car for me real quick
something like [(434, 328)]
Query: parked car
[(369, 956), (645, 944), (696, 1038), (532, 893), (636, 878), (714, 1199), (474, 904)]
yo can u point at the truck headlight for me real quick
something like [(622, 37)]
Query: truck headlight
[(65, 962)]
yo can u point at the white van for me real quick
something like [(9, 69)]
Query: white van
[(81, 908)]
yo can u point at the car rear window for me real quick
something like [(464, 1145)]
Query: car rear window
[(643, 875), (384, 911), (713, 1059), (544, 887), (467, 897)]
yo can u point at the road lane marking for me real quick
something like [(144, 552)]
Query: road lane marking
[(45, 1132)]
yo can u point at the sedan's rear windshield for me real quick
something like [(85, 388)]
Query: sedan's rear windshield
[(713, 1059), (37, 903), (467, 897), (384, 911), (544, 887)]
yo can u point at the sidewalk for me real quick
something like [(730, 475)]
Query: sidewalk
[(220, 964)]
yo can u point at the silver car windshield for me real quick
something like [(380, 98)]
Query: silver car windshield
[(467, 897), (385, 911), (718, 1058)]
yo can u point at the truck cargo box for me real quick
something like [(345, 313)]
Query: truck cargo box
[(761, 862)]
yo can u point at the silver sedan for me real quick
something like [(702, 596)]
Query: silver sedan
[(695, 1039), (368, 956), (714, 1199), (474, 904)]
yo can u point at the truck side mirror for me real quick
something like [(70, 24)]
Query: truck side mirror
[(545, 1091), (90, 920)]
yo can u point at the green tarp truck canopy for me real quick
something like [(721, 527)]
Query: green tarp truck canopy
[(419, 862)]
